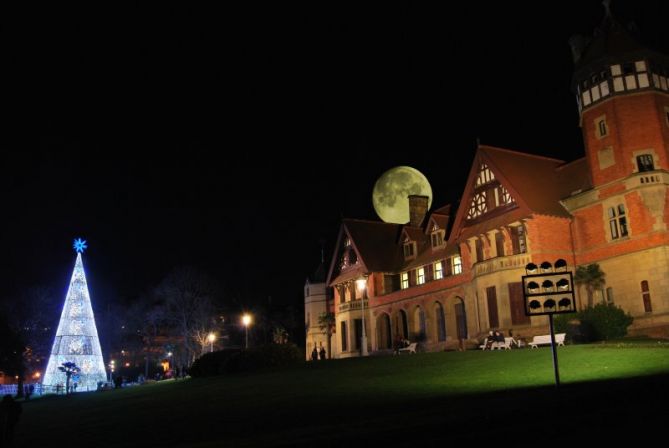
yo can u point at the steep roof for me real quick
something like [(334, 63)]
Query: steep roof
[(376, 243), (611, 43), (537, 180), (536, 184)]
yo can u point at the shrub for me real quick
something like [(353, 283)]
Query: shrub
[(606, 321), (272, 355), (236, 360), (214, 363), (598, 323)]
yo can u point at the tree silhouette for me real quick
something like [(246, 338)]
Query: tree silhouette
[(592, 277)]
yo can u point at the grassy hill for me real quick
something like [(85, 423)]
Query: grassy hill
[(433, 398)]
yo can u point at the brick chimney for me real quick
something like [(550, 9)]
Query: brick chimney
[(417, 209)]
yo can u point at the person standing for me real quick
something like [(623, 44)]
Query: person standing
[(322, 353), (10, 412), (314, 354)]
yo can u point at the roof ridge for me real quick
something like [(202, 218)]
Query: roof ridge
[(568, 164), (367, 221), (525, 154)]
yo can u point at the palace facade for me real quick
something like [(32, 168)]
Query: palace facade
[(448, 276)]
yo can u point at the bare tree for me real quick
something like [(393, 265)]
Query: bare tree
[(146, 316), (190, 307)]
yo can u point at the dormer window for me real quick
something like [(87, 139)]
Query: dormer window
[(437, 238), (409, 248)]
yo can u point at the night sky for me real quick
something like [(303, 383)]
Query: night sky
[(236, 138)]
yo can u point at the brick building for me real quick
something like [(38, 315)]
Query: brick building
[(448, 275)]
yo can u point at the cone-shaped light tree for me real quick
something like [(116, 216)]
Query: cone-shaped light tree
[(77, 336)]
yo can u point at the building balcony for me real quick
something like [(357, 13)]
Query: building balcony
[(502, 263), (645, 178), (352, 305)]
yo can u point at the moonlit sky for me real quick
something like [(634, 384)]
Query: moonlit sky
[(236, 138)]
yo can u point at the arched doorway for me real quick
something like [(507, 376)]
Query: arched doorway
[(440, 322), (419, 324), (460, 318), (401, 325), (383, 334)]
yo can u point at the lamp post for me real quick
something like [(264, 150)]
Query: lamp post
[(211, 337), (361, 284), (246, 320)]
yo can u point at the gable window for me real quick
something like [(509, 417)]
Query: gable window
[(601, 128), (438, 270), (457, 265), (617, 221), (645, 162), (405, 280), (409, 249), (645, 293), (437, 238), (420, 276), (488, 194)]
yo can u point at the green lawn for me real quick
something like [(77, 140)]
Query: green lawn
[(390, 400)]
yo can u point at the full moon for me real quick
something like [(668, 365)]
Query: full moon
[(392, 190)]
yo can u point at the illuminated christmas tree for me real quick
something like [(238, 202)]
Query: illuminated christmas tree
[(77, 337)]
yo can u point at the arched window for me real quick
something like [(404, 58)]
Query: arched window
[(419, 323), (441, 322)]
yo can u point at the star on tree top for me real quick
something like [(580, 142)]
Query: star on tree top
[(80, 245)]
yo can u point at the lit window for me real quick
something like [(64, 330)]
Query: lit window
[(438, 270), (457, 265), (405, 280), (617, 221), (485, 175), (420, 276), (645, 162)]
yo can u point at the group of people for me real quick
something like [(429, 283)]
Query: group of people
[(494, 336), (498, 336), (318, 354), (400, 343)]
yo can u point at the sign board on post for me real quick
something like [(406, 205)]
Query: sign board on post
[(549, 293), (549, 290)]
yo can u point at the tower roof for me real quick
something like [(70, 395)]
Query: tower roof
[(611, 42)]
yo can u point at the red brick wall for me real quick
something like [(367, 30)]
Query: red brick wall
[(634, 124)]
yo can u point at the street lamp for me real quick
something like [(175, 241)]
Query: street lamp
[(361, 284), (246, 320), (112, 365), (211, 338)]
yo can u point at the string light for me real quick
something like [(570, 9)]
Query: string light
[(77, 336)]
